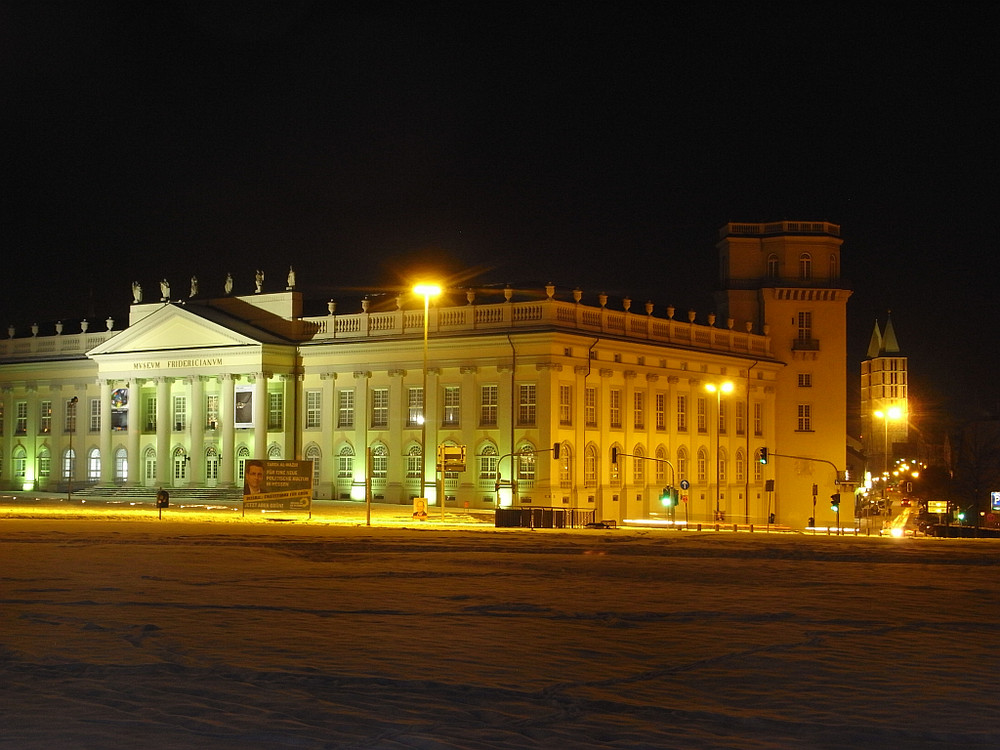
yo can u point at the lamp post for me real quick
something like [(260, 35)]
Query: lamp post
[(72, 458), (893, 412), (718, 389), (427, 291)]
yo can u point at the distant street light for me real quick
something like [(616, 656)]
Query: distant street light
[(892, 413), (426, 291), (72, 458), (718, 390)]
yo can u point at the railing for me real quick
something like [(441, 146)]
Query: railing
[(780, 227)]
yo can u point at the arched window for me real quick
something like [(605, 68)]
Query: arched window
[(20, 457), (414, 462), (682, 463), (702, 465), (661, 465), (639, 465), (211, 464), (345, 462), (69, 464), (834, 267), (740, 466), (314, 454), (773, 267), (526, 464), (180, 465), (44, 464), (565, 467), (805, 266), (242, 456), (121, 466), (488, 457), (380, 461), (274, 452), (590, 466), (149, 466), (723, 466), (94, 465), (616, 470)]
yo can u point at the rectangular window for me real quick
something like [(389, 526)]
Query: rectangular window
[(275, 410), (452, 403), (805, 419), (639, 409), (21, 418), (212, 411), (180, 413), (758, 418), (345, 408), (702, 406), (45, 417), (682, 419), (723, 408), (590, 407), (615, 408), (661, 411), (805, 380), (414, 407), (95, 415), (149, 412), (526, 404), (380, 407), (805, 326), (566, 405), (314, 409), (488, 406), (741, 418), (70, 416)]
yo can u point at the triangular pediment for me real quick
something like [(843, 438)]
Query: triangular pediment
[(174, 328)]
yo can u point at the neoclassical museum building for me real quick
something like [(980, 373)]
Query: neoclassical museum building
[(194, 387)]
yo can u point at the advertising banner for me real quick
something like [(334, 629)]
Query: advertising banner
[(244, 406), (277, 485)]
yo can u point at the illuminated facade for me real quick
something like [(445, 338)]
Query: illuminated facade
[(885, 412), (191, 389)]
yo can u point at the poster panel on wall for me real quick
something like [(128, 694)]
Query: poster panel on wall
[(244, 406)]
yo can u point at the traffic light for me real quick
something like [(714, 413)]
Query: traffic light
[(555, 450), (835, 502), (668, 498), (763, 455)]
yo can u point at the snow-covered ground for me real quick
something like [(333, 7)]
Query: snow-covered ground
[(209, 630)]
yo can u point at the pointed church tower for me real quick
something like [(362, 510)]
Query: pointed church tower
[(885, 412)]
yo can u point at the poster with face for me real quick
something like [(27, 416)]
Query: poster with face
[(244, 406), (277, 485)]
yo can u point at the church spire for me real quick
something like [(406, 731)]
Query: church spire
[(875, 345), (889, 343)]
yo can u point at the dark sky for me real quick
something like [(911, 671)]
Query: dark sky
[(601, 148)]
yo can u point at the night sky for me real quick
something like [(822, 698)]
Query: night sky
[(598, 148)]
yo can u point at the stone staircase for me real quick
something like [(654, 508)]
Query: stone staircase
[(206, 495)]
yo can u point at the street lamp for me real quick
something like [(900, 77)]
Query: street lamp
[(72, 458), (426, 291), (718, 390), (893, 413)]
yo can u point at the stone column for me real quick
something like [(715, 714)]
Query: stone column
[(196, 473), (163, 417), (227, 415), (260, 415), (132, 440), (107, 459)]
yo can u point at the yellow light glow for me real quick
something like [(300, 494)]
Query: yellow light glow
[(427, 290), (726, 387)]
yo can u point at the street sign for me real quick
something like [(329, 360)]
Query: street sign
[(937, 506), (685, 485)]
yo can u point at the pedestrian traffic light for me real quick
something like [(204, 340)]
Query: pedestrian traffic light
[(763, 455), (835, 502)]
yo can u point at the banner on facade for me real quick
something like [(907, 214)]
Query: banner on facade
[(277, 485), (244, 406)]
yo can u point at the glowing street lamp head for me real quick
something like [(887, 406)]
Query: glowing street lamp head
[(726, 387), (427, 290)]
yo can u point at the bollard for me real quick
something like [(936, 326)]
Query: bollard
[(699, 527), (751, 528), (736, 527)]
